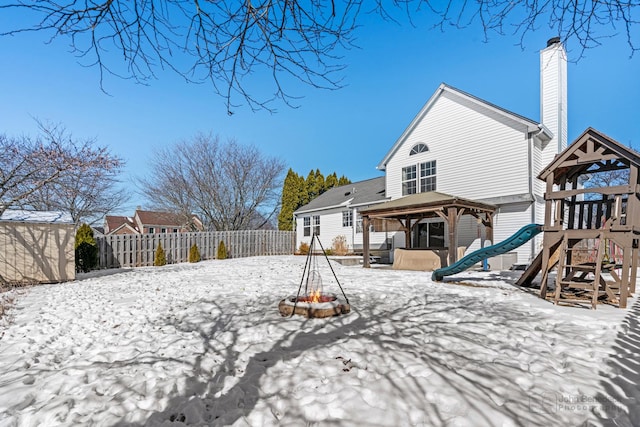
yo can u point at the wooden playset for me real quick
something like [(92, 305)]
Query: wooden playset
[(592, 223)]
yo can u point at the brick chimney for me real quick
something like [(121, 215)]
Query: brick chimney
[(553, 96)]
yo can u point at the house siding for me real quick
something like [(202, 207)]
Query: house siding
[(509, 219), (331, 227), (478, 152)]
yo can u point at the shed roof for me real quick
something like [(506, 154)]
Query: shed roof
[(354, 194), (48, 217)]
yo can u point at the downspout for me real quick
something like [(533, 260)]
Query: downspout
[(354, 223), (295, 233), (532, 242)]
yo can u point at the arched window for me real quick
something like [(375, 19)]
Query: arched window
[(419, 148)]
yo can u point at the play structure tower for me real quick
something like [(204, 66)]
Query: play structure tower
[(592, 222)]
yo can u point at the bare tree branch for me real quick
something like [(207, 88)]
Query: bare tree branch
[(226, 43)]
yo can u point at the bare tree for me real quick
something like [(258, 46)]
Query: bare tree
[(224, 42), (229, 185), (56, 172), (87, 194)]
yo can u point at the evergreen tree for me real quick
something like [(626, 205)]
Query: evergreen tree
[(331, 181), (194, 254), (344, 180), (290, 201), (298, 191), (312, 186), (303, 194), (160, 258), (86, 249), (222, 251), (319, 182)]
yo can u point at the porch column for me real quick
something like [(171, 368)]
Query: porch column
[(452, 220), (365, 242)]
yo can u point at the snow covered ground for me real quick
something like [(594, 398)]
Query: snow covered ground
[(204, 344)]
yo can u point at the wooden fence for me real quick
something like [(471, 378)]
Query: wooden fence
[(138, 250)]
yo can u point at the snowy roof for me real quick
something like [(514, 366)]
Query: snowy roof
[(50, 217)]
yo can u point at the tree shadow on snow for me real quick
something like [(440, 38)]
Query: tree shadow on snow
[(620, 404), (442, 356)]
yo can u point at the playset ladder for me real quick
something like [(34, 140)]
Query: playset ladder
[(582, 282)]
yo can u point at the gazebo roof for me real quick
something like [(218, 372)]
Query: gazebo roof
[(422, 203)]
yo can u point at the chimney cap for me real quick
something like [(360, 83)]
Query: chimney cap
[(552, 41)]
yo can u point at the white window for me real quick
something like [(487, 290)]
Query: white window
[(347, 218), (152, 230), (409, 180), (306, 226), (427, 181), (163, 230), (419, 148), (428, 176), (316, 225)]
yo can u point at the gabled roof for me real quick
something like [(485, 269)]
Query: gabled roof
[(589, 148), (532, 126), (422, 202), (115, 222), (46, 217), (160, 218), (354, 194)]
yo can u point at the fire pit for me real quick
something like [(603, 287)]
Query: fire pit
[(325, 305), (314, 302)]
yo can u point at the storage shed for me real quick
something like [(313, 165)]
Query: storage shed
[(36, 247)]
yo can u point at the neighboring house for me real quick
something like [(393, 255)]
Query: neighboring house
[(149, 222), (464, 146), (36, 247)]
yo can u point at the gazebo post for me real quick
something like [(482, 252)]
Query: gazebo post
[(488, 227), (365, 241), (407, 232), (452, 220)]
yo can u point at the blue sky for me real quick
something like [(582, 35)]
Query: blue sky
[(388, 79)]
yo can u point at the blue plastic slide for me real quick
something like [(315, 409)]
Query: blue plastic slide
[(521, 237)]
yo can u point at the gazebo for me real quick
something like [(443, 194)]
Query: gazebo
[(408, 211)]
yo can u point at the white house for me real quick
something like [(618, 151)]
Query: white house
[(460, 145)]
